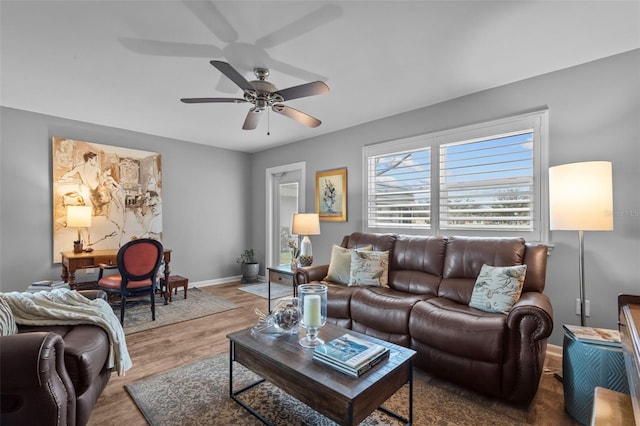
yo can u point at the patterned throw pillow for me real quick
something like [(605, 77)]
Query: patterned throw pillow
[(7, 323), (369, 268), (340, 264), (497, 289)]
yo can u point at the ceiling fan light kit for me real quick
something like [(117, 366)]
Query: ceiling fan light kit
[(263, 95)]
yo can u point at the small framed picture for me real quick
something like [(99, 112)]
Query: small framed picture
[(331, 195)]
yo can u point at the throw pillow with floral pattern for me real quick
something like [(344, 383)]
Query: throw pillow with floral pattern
[(369, 268), (498, 288)]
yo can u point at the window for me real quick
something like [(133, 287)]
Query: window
[(485, 179), (400, 190)]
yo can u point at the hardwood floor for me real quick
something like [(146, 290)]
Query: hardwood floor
[(164, 348)]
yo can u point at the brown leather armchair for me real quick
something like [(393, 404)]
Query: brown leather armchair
[(53, 375)]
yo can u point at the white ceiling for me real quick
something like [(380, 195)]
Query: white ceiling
[(126, 64)]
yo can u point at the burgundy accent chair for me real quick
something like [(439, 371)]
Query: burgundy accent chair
[(138, 262)]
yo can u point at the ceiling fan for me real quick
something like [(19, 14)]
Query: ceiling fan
[(263, 94)]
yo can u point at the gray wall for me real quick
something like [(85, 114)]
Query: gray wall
[(204, 199), (594, 111)]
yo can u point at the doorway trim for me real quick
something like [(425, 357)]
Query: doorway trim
[(271, 172)]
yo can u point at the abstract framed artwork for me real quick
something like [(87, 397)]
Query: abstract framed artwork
[(331, 195), (123, 187)]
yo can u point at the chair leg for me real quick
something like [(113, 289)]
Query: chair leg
[(153, 305), (123, 301)]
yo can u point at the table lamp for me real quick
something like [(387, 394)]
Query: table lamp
[(581, 199), (80, 217), (305, 224)]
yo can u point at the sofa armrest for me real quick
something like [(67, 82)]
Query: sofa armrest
[(35, 386), (530, 322), (312, 273), (533, 304)]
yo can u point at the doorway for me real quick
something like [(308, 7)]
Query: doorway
[(285, 196)]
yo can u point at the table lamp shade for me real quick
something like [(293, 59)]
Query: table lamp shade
[(305, 224), (79, 216), (581, 197)]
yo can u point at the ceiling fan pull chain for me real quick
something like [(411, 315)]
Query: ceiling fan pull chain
[(268, 121)]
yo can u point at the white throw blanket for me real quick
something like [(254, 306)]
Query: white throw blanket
[(66, 307)]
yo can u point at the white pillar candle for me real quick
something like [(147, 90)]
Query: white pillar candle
[(312, 306)]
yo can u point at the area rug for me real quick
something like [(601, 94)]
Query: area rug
[(198, 394), (277, 290), (137, 314)]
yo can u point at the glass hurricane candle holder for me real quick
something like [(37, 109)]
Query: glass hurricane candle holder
[(313, 301)]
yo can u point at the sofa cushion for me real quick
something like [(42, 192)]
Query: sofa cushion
[(465, 257), (459, 330), (369, 268), (384, 310), (416, 266), (7, 322), (340, 264), (419, 253), (497, 288), (339, 300), (378, 242)]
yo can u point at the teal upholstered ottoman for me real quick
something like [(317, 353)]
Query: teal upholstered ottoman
[(585, 365)]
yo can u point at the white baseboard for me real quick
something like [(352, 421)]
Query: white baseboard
[(218, 281), (554, 350)]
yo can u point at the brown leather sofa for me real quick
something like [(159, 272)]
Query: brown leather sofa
[(53, 375), (425, 307)]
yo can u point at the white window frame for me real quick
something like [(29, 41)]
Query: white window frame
[(538, 121)]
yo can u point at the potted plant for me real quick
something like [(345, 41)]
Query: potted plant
[(249, 266)]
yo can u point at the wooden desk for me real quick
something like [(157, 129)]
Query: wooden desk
[(73, 261)]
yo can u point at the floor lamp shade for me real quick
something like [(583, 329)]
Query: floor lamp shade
[(581, 197)]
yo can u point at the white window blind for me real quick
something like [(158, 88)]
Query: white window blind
[(400, 194), (483, 179), (488, 183)]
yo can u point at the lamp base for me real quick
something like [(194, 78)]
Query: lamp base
[(306, 260)]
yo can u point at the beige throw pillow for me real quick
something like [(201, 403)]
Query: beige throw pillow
[(340, 264), (497, 289), (369, 268)]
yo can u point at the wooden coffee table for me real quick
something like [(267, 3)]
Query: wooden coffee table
[(344, 399)]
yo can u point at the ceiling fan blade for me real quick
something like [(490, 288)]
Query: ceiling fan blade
[(294, 71), (211, 100), (251, 122), (299, 116), (212, 18), (307, 89), (301, 26), (233, 75), (170, 48)]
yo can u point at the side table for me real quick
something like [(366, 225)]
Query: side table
[(281, 274), (587, 364), (174, 282)]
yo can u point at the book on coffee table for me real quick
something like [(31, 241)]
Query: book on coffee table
[(351, 355)]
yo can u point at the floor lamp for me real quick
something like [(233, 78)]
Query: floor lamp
[(581, 199)]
